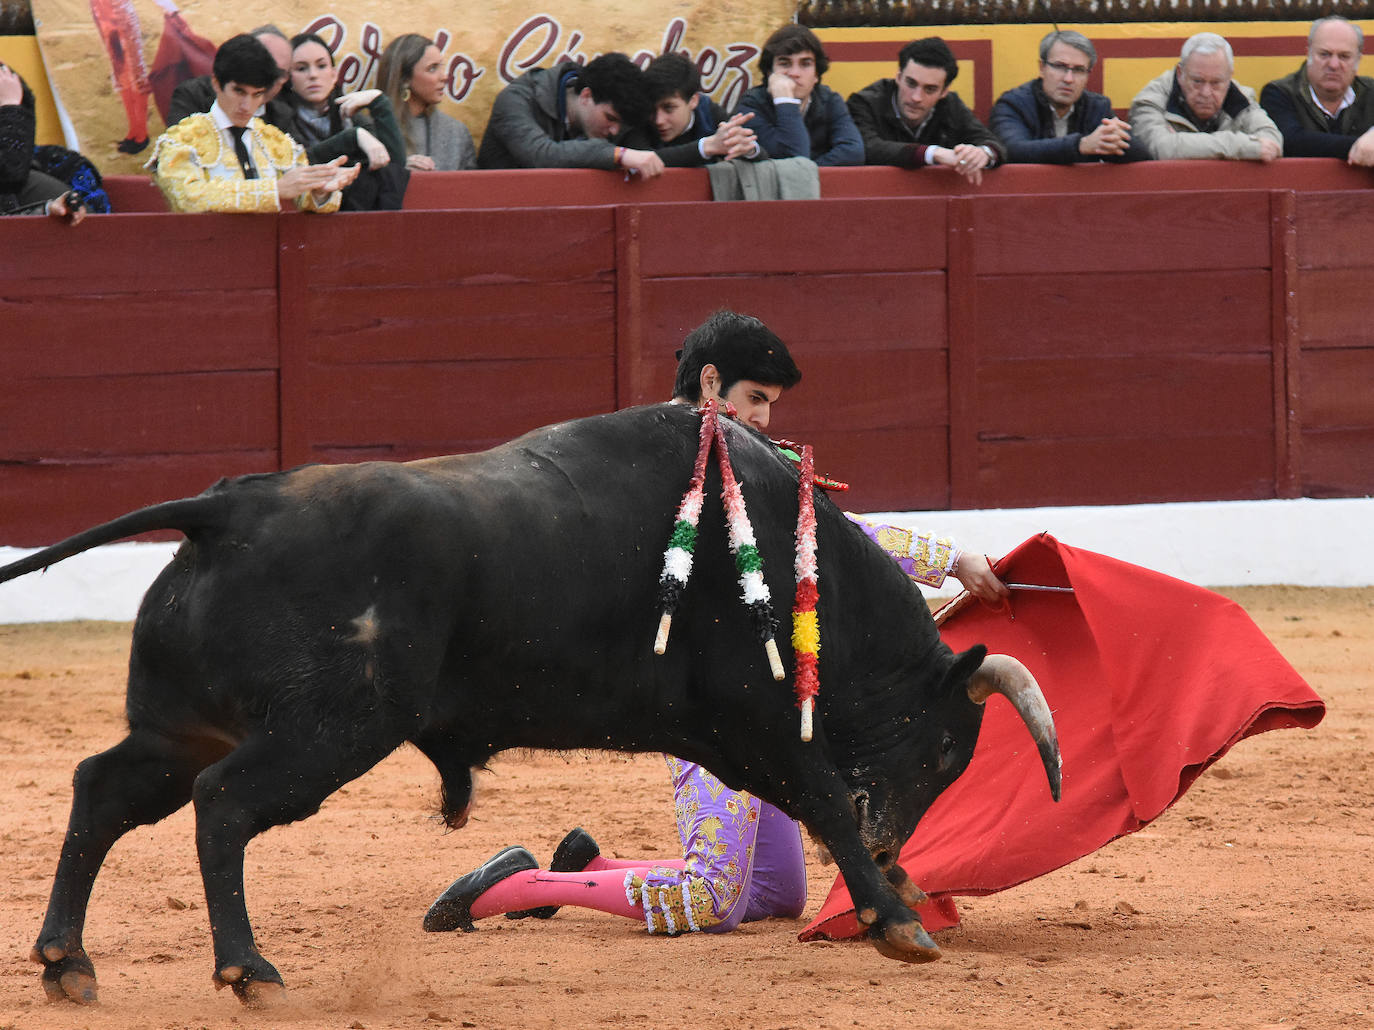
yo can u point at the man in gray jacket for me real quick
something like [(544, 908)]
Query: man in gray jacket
[(1197, 111), (568, 116)]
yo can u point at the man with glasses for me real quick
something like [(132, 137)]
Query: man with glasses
[(1056, 119), (914, 120), (1196, 111), (1324, 109)]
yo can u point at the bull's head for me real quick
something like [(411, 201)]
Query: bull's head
[(888, 803)]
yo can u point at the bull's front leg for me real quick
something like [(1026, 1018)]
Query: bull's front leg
[(912, 896), (449, 754), (882, 902)]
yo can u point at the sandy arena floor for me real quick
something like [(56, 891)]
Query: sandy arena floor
[(1250, 904)]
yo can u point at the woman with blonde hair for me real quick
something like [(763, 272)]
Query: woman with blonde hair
[(411, 74)]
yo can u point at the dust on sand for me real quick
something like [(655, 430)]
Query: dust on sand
[(1248, 904)]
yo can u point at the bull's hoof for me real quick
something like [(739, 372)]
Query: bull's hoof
[(66, 977), (256, 986), (906, 942), (260, 994)]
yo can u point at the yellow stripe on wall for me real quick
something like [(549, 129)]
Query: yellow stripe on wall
[(21, 53)]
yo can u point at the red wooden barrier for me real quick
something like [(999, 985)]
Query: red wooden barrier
[(426, 333), (857, 288), (1143, 320), (959, 349), (139, 362), (546, 187), (1334, 380), (134, 194)]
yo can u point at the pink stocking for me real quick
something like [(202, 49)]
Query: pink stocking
[(535, 888), (602, 862)]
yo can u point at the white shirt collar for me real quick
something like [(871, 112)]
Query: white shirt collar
[(217, 115), (223, 121), (1346, 100), (915, 130)]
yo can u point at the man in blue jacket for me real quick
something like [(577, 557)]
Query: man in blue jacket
[(794, 114), (1056, 119)]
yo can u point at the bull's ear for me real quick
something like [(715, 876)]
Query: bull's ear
[(965, 665)]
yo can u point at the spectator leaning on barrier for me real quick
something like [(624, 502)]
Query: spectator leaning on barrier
[(229, 159), (795, 115), (1197, 111), (914, 120), (567, 117), (1324, 109), (24, 190), (691, 128), (1056, 119)]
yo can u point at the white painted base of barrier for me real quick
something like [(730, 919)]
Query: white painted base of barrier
[(1302, 542), (1225, 543)]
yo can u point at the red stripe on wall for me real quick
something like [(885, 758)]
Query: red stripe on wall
[(1169, 46)]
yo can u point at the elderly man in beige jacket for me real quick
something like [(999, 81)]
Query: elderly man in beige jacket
[(1196, 111)]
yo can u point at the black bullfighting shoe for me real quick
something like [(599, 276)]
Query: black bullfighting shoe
[(452, 910), (573, 854)]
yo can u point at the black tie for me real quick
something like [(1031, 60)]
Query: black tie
[(241, 149)]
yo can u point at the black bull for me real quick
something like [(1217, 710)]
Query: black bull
[(314, 620)]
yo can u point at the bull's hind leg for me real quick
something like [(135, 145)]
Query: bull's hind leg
[(271, 779), (140, 780)]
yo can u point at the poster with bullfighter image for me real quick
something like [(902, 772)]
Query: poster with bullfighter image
[(113, 64)]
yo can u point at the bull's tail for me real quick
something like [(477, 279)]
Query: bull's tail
[(185, 516)]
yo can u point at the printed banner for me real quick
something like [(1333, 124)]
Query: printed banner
[(110, 62)]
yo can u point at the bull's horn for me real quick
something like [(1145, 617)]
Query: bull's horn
[(1003, 674)]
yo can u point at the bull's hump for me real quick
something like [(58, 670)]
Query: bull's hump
[(613, 435), (646, 441), (307, 481), (312, 482)]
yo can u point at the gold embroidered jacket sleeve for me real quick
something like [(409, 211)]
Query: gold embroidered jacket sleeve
[(198, 171), (924, 557)]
